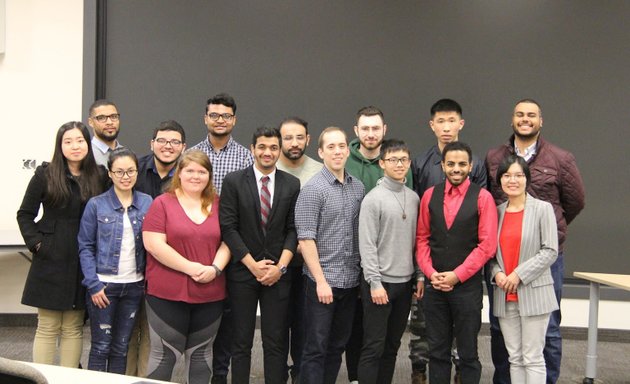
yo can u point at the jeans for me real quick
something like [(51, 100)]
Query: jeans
[(383, 327), (553, 344), (327, 330), (453, 314), (111, 326)]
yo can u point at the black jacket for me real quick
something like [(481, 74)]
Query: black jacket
[(239, 214), (54, 279)]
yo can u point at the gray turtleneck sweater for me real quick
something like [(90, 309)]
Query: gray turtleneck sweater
[(386, 240)]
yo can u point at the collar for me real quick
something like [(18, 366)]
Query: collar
[(331, 179), (153, 167), (101, 145), (227, 145), (391, 184), (116, 204), (259, 175), (461, 189)]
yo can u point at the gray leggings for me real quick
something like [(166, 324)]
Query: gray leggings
[(177, 328)]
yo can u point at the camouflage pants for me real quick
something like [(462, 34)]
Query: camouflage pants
[(418, 345)]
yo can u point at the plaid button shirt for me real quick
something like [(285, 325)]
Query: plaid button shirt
[(327, 211), (230, 158)]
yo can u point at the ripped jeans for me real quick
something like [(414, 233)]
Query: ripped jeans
[(111, 326)]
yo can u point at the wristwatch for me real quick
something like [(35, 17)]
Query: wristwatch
[(283, 268), (217, 269)]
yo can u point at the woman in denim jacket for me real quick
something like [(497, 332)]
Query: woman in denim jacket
[(113, 260)]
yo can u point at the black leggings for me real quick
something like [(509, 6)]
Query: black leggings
[(178, 328)]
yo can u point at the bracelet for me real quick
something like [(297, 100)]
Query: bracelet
[(217, 269)]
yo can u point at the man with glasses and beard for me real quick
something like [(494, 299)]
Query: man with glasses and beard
[(295, 139), (226, 155), (105, 122)]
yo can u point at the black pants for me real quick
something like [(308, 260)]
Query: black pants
[(383, 327), (453, 314), (274, 327), (327, 329), (296, 318)]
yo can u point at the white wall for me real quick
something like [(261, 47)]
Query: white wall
[(40, 89)]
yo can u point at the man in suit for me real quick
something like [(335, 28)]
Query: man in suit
[(457, 235), (257, 223)]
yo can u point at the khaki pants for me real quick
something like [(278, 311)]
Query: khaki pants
[(65, 326), (139, 345)]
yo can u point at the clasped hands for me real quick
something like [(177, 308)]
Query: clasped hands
[(444, 281), (507, 283), (202, 273), (266, 272)]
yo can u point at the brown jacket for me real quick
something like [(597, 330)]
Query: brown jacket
[(554, 178)]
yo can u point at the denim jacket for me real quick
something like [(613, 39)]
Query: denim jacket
[(100, 235)]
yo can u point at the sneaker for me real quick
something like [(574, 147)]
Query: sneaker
[(418, 377)]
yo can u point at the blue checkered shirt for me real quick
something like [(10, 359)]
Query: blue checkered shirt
[(327, 211), (230, 158)]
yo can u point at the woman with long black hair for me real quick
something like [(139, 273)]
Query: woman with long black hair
[(53, 285)]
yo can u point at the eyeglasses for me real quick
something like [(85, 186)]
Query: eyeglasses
[(121, 174), (225, 116), (173, 143), (516, 176), (395, 160), (103, 118)]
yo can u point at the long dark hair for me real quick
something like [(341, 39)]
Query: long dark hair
[(90, 182)]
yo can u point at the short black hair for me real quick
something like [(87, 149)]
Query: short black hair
[(393, 145), (529, 101), (100, 103), (457, 146), (222, 99), (296, 120), (266, 131), (507, 163), (118, 153), (170, 125), (446, 105)]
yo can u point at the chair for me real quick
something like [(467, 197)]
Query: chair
[(15, 372)]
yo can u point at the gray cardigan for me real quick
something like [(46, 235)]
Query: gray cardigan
[(539, 249)]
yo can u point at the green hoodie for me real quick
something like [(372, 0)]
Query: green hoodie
[(368, 171)]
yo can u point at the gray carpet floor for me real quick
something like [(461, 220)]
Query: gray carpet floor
[(16, 343)]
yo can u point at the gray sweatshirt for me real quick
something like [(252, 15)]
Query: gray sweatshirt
[(386, 240)]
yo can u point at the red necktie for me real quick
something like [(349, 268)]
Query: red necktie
[(265, 202)]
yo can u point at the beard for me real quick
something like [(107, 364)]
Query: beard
[(530, 135), (166, 163), (371, 146), (293, 156), (107, 138)]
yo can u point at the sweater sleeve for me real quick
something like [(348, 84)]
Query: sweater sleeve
[(369, 224)]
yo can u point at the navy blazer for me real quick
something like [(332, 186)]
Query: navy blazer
[(239, 216)]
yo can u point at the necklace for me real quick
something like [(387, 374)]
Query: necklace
[(402, 206)]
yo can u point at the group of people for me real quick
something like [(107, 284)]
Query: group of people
[(172, 254)]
